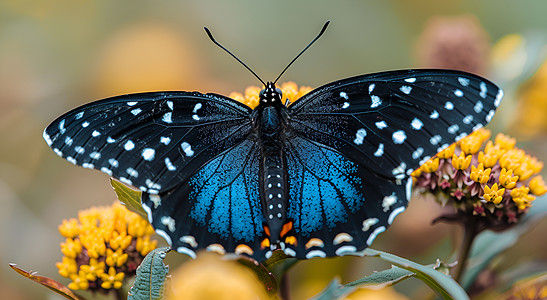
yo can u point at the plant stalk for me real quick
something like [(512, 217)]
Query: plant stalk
[(470, 232)]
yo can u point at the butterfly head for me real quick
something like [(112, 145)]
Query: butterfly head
[(270, 94)]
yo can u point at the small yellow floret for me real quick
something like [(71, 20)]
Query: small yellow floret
[(505, 142), (537, 186), (479, 174), (447, 152), (430, 165), (493, 194), (112, 279), (507, 179), (461, 162)]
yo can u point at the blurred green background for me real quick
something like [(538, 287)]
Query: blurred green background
[(58, 54)]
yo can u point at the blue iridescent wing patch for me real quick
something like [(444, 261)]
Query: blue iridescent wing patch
[(337, 206), (218, 208)]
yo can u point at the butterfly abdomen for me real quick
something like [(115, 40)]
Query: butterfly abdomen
[(274, 187)]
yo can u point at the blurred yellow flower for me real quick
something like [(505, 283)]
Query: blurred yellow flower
[(103, 246), (210, 277)]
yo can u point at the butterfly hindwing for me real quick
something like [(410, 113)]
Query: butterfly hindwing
[(337, 206), (392, 122), (218, 208), (152, 141)]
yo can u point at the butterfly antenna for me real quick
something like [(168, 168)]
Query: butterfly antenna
[(239, 60), (309, 45)]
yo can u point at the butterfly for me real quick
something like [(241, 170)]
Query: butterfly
[(320, 177)]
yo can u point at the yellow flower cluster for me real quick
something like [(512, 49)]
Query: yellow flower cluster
[(290, 90), (103, 246), (500, 170)]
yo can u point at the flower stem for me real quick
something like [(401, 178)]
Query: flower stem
[(470, 232), (284, 289)]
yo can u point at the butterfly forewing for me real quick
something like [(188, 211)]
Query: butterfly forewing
[(152, 141), (392, 122)]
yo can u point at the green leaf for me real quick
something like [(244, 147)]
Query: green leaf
[(149, 283), (441, 283), (489, 244), (334, 291), (130, 197), (383, 278), (376, 280), (51, 284)]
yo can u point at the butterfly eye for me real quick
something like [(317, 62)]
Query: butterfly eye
[(278, 91)]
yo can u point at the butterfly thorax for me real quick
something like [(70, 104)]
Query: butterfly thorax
[(271, 124)]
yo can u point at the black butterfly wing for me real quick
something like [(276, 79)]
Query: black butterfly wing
[(217, 208), (379, 128), (392, 122), (338, 207), (153, 141)]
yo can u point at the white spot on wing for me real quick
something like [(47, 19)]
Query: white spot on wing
[(484, 90), (371, 88), (95, 133), (169, 165), (169, 222), (499, 95), (380, 151), (148, 154), (85, 124), (167, 117), (345, 250), (394, 214), (478, 107), (156, 199), (388, 201), (434, 140), (360, 136), (490, 115), (458, 93), (406, 89), (376, 101), (186, 251), (132, 172), (416, 124), (110, 140), (106, 170), (165, 140), (79, 149), (88, 166), (129, 145), (187, 148), (68, 141), (463, 81), (62, 128), (47, 138), (344, 95), (71, 160), (79, 115), (417, 153), (131, 103), (316, 253), (374, 234), (136, 111), (434, 115), (449, 105), (190, 240), (468, 119), (95, 155), (453, 128), (170, 104), (114, 163), (381, 124), (346, 105), (410, 80), (126, 180), (368, 223), (399, 137)]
